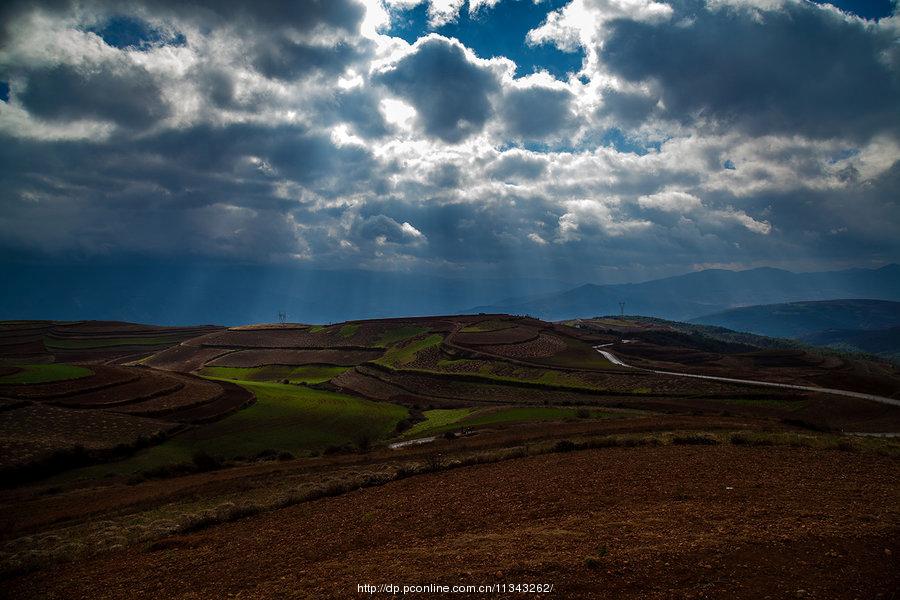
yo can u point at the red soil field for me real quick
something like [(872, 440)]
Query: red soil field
[(184, 358), (511, 335), (657, 523), (232, 398), (33, 432), (103, 377), (258, 358), (192, 392), (544, 345)]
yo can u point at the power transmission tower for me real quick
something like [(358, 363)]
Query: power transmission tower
[(621, 309), (282, 317)]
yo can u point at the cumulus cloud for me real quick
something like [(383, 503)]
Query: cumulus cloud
[(450, 89), (299, 131), (786, 68), (536, 111)]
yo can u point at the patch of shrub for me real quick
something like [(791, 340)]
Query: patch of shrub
[(695, 439), (743, 439), (803, 424), (583, 413), (363, 443), (564, 446), (433, 462), (205, 462)]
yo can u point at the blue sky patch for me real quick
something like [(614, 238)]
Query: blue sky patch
[(497, 31), (4, 91), (867, 9), (128, 32), (616, 139)]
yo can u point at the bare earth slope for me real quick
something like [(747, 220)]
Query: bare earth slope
[(669, 522)]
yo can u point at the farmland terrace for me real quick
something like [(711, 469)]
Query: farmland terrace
[(138, 450)]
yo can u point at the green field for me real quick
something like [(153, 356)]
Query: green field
[(349, 330), (287, 418), (442, 420), (88, 343), (436, 419), (276, 373), (46, 373), (399, 334), (398, 356)]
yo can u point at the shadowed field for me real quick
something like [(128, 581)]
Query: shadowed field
[(467, 449)]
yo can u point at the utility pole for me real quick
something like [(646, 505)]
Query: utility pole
[(621, 309)]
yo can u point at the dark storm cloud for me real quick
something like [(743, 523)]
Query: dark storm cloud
[(288, 60), (301, 15), (629, 109), (536, 112), (125, 94), (451, 94), (800, 69), (251, 159)]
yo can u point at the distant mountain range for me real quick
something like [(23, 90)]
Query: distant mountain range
[(799, 319), (870, 326), (693, 295), (176, 294)]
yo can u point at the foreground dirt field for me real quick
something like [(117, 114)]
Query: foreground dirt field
[(652, 522)]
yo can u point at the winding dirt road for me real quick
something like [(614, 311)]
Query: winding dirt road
[(807, 388)]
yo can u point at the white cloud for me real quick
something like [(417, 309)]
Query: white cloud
[(670, 201)]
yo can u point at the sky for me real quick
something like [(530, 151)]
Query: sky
[(582, 140)]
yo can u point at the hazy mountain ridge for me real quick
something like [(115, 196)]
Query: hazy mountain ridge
[(685, 297), (870, 326)]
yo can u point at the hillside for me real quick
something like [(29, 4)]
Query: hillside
[(880, 342), (798, 319), (869, 326), (705, 292), (138, 450)]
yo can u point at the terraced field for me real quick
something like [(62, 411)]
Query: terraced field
[(285, 418), (121, 456), (503, 370), (279, 373), (29, 374)]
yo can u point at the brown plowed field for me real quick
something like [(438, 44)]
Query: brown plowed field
[(275, 338), (193, 392), (545, 345), (33, 432), (355, 382), (147, 385), (184, 358), (258, 358), (510, 335), (648, 523), (117, 328), (232, 398)]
